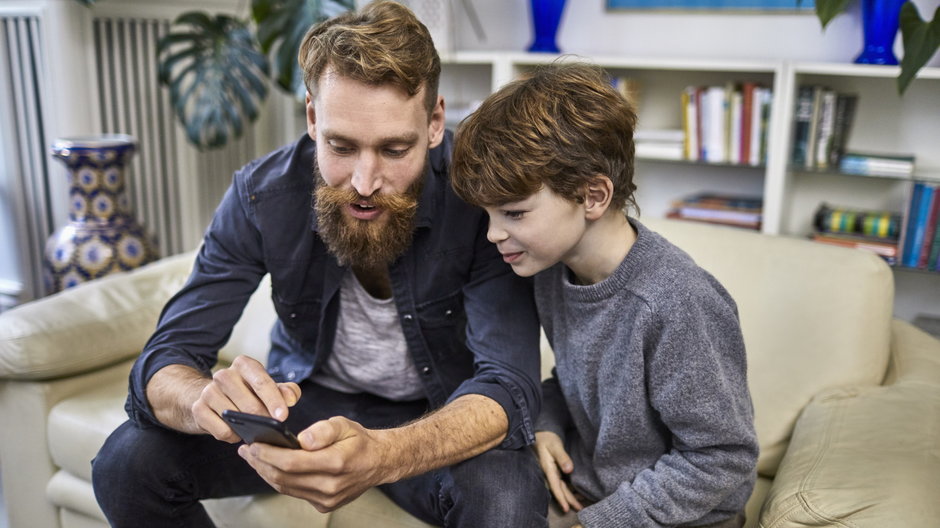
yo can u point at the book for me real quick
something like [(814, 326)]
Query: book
[(802, 121), (713, 109), (929, 230), (933, 263), (886, 249), (877, 164), (917, 219), (826, 125), (816, 111), (740, 211), (842, 126)]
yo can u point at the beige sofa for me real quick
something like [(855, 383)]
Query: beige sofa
[(847, 400)]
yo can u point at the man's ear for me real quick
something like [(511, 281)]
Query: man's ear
[(436, 124), (311, 117), (597, 196)]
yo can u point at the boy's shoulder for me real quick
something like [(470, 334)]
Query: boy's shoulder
[(667, 277)]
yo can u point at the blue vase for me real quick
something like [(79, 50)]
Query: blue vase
[(102, 236), (546, 17), (879, 27)]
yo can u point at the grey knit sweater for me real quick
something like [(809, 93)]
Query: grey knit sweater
[(649, 390)]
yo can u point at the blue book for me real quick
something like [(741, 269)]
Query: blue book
[(919, 220), (909, 217)]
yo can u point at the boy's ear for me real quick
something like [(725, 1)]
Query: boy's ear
[(597, 196)]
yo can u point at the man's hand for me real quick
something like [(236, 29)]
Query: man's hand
[(552, 456), (187, 401), (339, 461)]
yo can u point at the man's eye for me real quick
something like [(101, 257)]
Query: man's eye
[(339, 149), (396, 153)]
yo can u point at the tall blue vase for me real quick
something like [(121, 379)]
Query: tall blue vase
[(879, 27), (546, 17), (102, 236)]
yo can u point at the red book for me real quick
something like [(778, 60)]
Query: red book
[(930, 229)]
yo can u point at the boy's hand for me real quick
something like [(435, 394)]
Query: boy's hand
[(552, 456)]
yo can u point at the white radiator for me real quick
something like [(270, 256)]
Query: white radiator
[(167, 174), (27, 204)]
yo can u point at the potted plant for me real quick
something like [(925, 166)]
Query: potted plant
[(921, 38)]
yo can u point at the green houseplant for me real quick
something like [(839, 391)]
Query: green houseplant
[(920, 38)]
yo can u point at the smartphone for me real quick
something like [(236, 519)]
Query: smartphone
[(253, 428)]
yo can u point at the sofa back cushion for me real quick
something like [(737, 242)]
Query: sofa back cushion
[(813, 317)]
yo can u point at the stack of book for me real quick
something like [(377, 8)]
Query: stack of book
[(737, 211), (875, 231), (920, 236), (664, 144), (873, 164), (822, 123), (726, 124)]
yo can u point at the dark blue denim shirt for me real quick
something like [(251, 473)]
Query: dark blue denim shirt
[(469, 322)]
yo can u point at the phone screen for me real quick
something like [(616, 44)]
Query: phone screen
[(254, 428)]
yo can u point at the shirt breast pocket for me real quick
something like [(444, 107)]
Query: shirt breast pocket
[(443, 312), (300, 318)]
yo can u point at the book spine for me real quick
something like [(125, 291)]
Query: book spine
[(929, 228), (810, 160), (826, 126), (918, 222), (842, 126), (934, 262), (801, 124)]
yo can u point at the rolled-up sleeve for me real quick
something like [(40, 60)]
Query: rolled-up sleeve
[(198, 320), (503, 335)]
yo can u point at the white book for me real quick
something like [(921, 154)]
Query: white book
[(714, 103), (734, 146)]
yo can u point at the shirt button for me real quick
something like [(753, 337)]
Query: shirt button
[(293, 315), (426, 370), (291, 375), (448, 313), (407, 317)]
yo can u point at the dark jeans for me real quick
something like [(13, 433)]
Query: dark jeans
[(156, 477)]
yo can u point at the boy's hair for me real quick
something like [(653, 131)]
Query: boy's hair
[(560, 125), (384, 43)]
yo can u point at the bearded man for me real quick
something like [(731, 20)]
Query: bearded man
[(405, 352)]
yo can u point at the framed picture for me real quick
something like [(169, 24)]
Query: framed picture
[(714, 5)]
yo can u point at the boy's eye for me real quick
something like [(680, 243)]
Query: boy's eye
[(515, 215)]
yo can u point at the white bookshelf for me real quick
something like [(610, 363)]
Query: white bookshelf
[(884, 121)]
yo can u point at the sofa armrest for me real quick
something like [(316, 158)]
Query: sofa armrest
[(92, 325), (866, 457)]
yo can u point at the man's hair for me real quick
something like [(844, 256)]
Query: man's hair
[(384, 43), (561, 125)]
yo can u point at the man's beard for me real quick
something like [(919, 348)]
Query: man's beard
[(365, 244)]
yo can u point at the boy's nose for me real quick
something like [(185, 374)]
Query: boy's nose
[(495, 234)]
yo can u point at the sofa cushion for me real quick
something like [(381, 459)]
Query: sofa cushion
[(78, 426), (96, 323), (814, 317)]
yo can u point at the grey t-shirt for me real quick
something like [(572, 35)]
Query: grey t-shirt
[(369, 352)]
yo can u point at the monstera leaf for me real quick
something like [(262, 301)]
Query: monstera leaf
[(215, 74), (282, 25), (921, 40)]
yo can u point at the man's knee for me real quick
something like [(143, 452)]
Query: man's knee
[(506, 483)]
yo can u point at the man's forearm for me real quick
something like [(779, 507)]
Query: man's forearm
[(171, 393), (462, 429)]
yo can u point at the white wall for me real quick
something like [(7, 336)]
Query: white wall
[(587, 28)]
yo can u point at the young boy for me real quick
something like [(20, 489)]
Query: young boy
[(647, 412)]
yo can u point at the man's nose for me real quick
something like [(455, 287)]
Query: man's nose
[(366, 177)]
